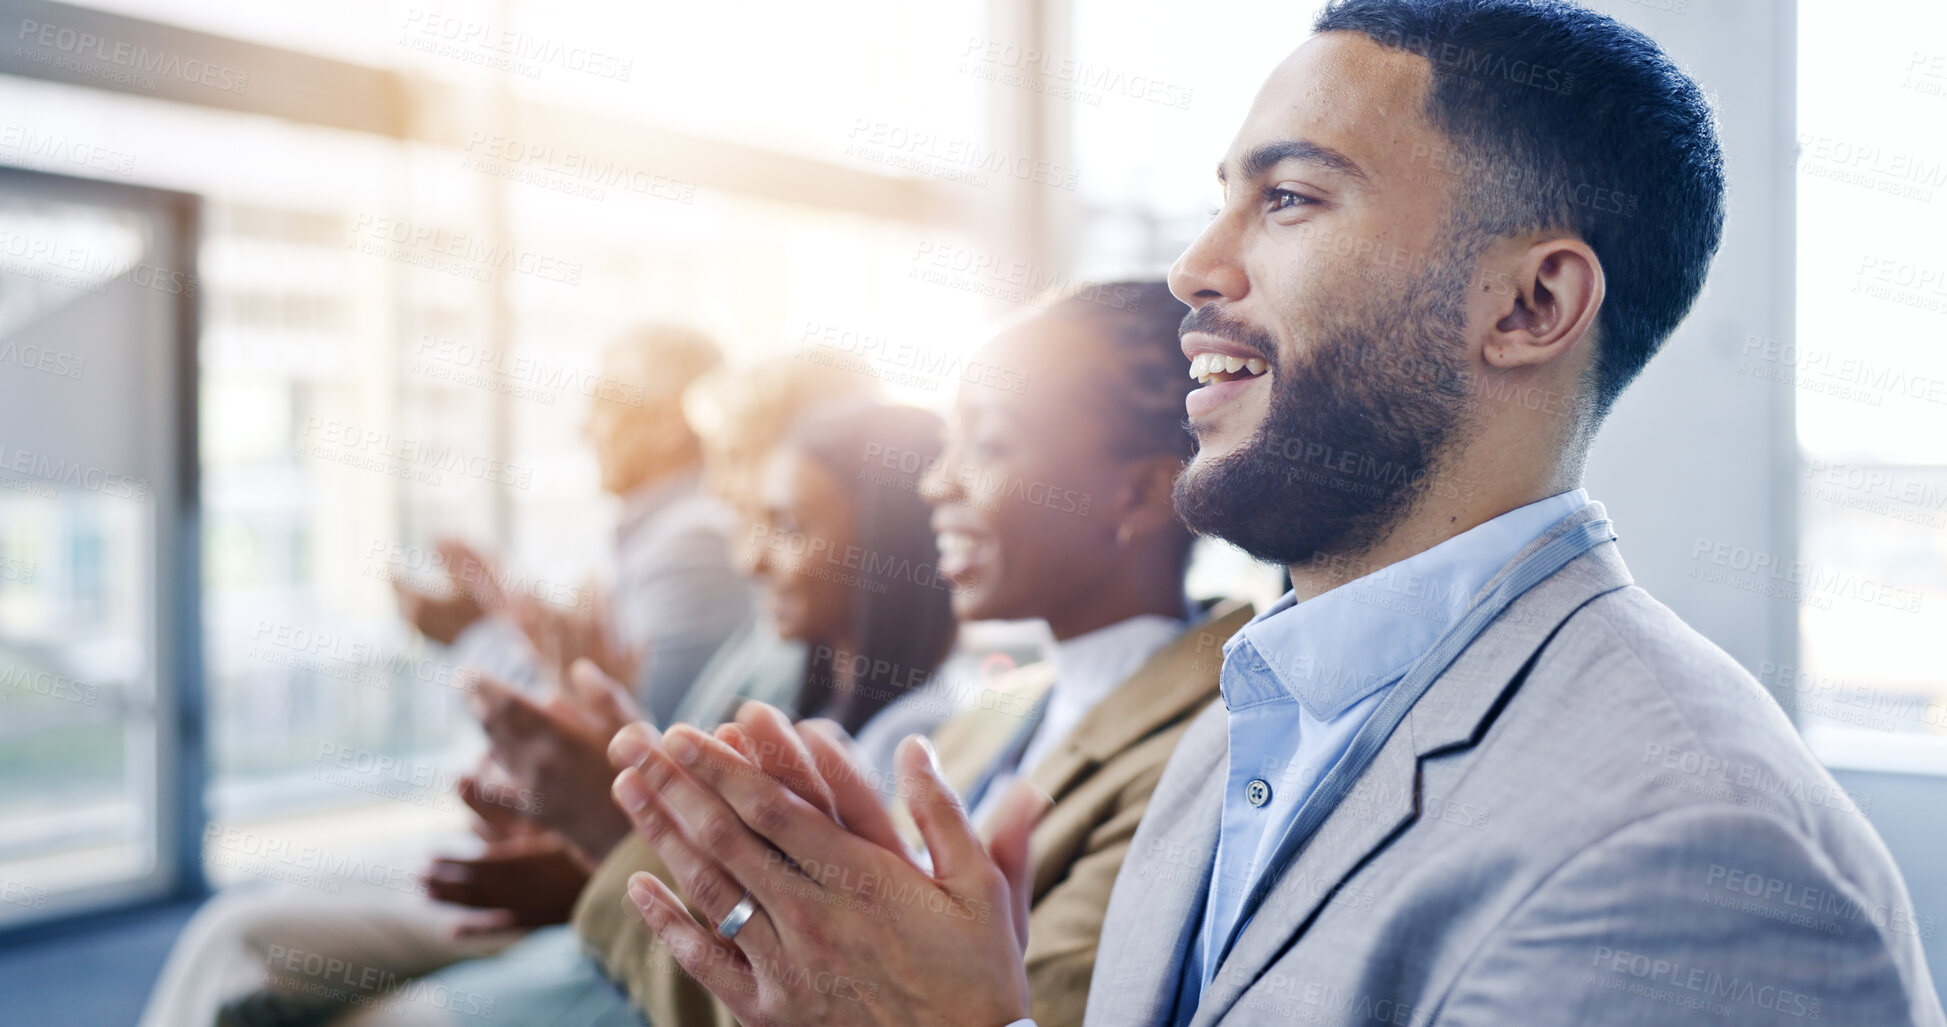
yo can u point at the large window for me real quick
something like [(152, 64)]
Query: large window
[(397, 327), (1869, 369), (93, 320)]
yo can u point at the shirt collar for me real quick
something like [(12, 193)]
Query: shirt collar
[(1088, 667), (1335, 649)]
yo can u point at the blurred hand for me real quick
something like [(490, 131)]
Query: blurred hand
[(472, 591), (518, 883), (502, 809), (562, 635), (557, 751)]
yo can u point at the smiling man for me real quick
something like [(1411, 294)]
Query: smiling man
[(1466, 772)]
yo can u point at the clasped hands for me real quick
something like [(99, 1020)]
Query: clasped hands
[(851, 925)]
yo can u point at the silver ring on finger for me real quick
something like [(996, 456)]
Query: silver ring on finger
[(738, 916)]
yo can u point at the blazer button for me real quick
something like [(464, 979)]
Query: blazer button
[(1258, 792)]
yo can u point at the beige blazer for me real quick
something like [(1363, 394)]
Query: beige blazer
[(1100, 777)]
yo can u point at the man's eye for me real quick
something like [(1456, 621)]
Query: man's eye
[(1284, 199)]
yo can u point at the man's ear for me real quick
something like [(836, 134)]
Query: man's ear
[(1550, 291), (1147, 502)]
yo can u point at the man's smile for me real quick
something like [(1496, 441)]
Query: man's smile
[(1227, 371), (1215, 367)]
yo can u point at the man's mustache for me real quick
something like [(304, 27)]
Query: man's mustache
[(1211, 320)]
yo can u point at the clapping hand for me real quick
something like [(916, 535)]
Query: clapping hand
[(562, 635), (472, 591), (527, 881), (845, 926), (555, 752)]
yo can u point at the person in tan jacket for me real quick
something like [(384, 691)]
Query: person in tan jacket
[(1051, 502)]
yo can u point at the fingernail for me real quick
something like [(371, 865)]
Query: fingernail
[(932, 754), (681, 748), (631, 747), (1043, 801), (639, 892), (630, 793)]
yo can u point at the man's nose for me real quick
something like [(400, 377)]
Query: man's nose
[(1210, 268)]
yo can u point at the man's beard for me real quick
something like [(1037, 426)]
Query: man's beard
[(1355, 431)]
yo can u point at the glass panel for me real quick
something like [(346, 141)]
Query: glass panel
[(1154, 121), (84, 341), (1870, 381), (371, 308)]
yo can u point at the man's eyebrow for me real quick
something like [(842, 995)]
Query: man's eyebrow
[(1270, 155)]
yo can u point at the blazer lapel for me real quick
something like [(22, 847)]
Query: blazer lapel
[(1157, 905), (1454, 713), (1170, 686), (970, 742)]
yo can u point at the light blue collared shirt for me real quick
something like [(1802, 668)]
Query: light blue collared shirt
[(1300, 680)]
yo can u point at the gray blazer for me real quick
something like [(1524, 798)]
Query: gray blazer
[(677, 596), (1595, 816)]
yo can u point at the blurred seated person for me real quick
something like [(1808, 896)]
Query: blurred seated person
[(557, 746), (674, 597), (743, 415), (526, 875), (1053, 503), (846, 558)]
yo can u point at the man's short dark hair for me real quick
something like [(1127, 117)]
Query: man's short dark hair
[(1561, 118)]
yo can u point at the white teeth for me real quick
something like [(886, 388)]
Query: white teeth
[(953, 543), (1204, 366)]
